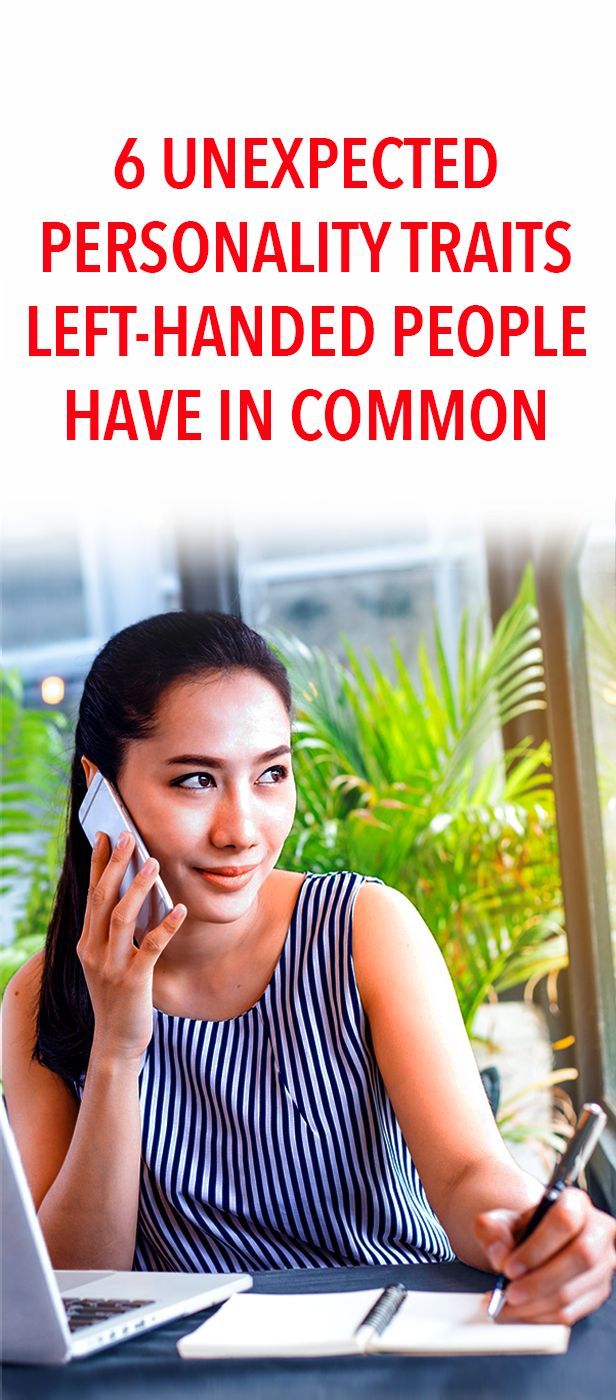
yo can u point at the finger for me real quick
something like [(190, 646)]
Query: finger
[(101, 851), (495, 1231), (124, 915), (585, 1256), (155, 942), (566, 1304), (104, 895), (563, 1222)]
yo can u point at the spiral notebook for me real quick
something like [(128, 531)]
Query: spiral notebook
[(344, 1324)]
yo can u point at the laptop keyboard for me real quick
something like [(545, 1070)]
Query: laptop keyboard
[(83, 1312)]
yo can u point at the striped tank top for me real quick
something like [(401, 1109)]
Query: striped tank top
[(269, 1141)]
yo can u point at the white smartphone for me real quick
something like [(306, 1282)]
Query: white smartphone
[(103, 810)]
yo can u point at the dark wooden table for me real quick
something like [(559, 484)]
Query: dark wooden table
[(150, 1367)]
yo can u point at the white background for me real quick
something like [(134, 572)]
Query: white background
[(535, 79)]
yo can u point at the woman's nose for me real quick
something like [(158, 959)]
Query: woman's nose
[(234, 822)]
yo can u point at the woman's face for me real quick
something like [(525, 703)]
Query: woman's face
[(212, 792)]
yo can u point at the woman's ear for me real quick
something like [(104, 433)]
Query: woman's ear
[(89, 769)]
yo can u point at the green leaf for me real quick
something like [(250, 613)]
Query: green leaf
[(32, 800), (409, 787)]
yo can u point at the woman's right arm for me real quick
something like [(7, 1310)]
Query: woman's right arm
[(83, 1161)]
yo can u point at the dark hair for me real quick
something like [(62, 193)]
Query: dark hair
[(119, 703)]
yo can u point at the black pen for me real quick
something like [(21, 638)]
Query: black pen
[(589, 1127)]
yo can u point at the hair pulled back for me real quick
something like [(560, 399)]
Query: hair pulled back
[(119, 704)]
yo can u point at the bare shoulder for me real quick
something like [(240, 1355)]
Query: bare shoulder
[(376, 901), (21, 999), (283, 887), (30, 972), (288, 881), (41, 1108), (390, 938)]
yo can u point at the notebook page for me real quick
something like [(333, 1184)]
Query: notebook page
[(438, 1323), (307, 1324)]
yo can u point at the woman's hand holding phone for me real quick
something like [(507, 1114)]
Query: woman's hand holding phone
[(118, 974)]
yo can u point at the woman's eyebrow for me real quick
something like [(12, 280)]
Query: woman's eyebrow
[(206, 761)]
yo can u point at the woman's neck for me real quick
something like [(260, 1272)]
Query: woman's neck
[(217, 971)]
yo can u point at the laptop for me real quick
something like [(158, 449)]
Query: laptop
[(52, 1317)]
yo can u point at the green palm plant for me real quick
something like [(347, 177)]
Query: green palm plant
[(397, 778), (32, 787)]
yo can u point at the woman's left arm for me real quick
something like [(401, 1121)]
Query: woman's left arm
[(475, 1188)]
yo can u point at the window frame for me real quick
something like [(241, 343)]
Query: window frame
[(580, 832)]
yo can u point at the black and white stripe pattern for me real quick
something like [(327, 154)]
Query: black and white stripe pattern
[(269, 1140)]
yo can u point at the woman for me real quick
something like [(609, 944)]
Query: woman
[(278, 1074)]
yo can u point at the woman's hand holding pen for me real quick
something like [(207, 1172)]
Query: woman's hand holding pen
[(565, 1268), (118, 974)]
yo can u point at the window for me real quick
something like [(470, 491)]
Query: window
[(66, 591), (575, 586), (597, 585), (370, 588)]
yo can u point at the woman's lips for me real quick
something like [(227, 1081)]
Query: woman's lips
[(228, 877)]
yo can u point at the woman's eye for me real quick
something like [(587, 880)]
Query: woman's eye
[(195, 781), (277, 774)]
